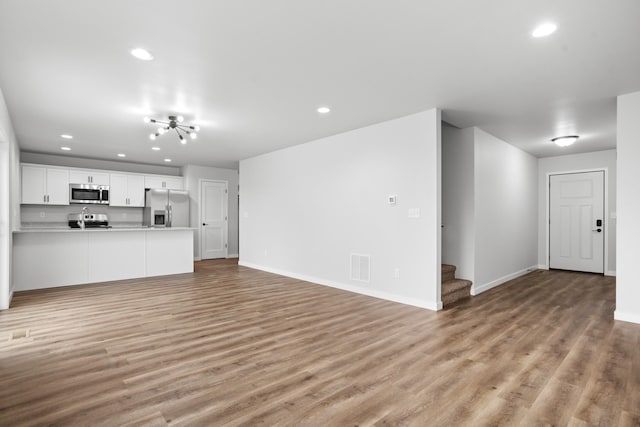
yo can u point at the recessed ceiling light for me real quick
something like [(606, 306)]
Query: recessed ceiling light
[(141, 54), (167, 160), (122, 155), (65, 148), (564, 141), (155, 148), (323, 110), (544, 30), (65, 136)]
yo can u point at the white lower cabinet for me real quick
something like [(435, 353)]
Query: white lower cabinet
[(72, 257), (126, 190)]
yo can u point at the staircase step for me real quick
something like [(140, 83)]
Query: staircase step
[(448, 272), (455, 290), (455, 285), (455, 296)]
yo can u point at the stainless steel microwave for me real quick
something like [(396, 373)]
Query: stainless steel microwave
[(89, 194)]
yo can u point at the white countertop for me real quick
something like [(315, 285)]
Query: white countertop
[(97, 230)]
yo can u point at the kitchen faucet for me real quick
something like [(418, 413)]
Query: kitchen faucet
[(85, 210)]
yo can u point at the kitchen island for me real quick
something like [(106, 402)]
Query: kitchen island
[(51, 257)]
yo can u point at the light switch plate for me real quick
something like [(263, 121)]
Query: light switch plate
[(414, 212), (392, 199)]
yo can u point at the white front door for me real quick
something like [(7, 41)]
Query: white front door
[(576, 221), (213, 213)]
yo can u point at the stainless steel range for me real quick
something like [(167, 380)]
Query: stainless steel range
[(90, 220)]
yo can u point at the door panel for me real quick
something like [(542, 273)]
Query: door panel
[(213, 235), (576, 202)]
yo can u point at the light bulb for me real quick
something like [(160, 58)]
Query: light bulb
[(152, 137), (147, 120), (142, 54), (161, 131), (193, 135), (182, 140), (544, 30), (196, 128), (180, 118)]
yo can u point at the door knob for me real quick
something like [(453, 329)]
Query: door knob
[(599, 230), (203, 224)]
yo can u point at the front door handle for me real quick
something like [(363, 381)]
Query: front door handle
[(599, 230), (204, 223)]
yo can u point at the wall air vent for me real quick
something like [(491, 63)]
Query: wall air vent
[(360, 267)]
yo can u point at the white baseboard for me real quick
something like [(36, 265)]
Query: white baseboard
[(543, 267), (431, 305), (626, 317), (233, 256), (197, 258), (478, 289), (610, 273)]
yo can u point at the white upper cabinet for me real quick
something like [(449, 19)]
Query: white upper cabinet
[(126, 190), (44, 186), (168, 182), (77, 176), (49, 185)]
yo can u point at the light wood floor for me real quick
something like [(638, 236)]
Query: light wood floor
[(230, 346)]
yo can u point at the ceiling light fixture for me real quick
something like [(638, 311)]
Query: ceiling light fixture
[(175, 123), (122, 155), (565, 141), (323, 110), (155, 148), (65, 136), (65, 148), (167, 160), (544, 30), (142, 54)]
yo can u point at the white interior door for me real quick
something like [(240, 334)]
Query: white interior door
[(213, 213), (576, 221)]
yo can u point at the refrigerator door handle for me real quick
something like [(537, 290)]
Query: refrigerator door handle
[(170, 215)]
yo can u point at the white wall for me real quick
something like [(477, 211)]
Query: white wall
[(577, 162), (628, 244), (192, 176), (458, 233), (506, 211), (305, 209), (9, 200)]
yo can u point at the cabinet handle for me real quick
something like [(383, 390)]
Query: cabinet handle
[(44, 198)]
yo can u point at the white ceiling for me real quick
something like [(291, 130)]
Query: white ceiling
[(252, 73)]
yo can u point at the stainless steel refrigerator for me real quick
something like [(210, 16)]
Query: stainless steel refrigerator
[(166, 208)]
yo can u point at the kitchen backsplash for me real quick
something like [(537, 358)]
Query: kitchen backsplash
[(53, 216)]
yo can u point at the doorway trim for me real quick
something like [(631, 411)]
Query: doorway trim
[(226, 213), (607, 272)]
